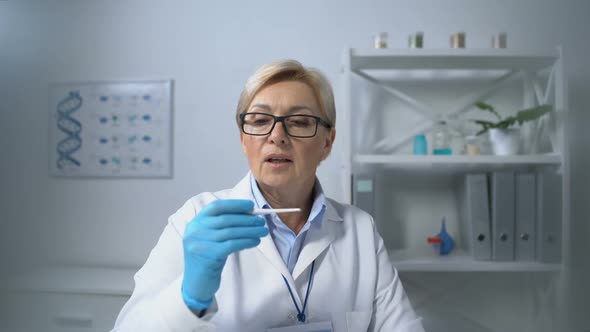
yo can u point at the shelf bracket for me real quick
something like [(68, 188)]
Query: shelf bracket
[(415, 104), (538, 91), (530, 97)]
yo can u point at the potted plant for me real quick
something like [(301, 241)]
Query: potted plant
[(505, 139)]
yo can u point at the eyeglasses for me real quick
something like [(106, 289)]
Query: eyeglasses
[(296, 125)]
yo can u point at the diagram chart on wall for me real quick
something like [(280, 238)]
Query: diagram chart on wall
[(104, 129)]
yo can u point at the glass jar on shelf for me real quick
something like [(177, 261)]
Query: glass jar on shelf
[(477, 145), (441, 139), (380, 40), (457, 142), (472, 146)]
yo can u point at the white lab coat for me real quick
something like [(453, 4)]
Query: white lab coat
[(354, 284)]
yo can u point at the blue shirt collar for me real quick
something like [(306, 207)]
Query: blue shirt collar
[(317, 208)]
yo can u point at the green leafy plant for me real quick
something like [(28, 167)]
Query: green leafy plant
[(521, 116)]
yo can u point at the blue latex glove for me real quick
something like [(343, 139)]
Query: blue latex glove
[(221, 228)]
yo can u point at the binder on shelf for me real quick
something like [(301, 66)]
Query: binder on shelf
[(525, 239), (363, 194), (476, 217), (549, 207), (502, 192)]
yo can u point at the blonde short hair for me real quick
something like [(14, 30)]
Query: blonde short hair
[(290, 70)]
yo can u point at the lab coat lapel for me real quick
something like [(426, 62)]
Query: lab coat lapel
[(318, 238), (267, 246)]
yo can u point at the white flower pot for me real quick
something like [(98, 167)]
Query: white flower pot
[(505, 142)]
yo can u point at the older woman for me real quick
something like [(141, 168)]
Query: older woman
[(219, 267)]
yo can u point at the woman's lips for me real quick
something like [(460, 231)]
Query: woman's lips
[(278, 163)]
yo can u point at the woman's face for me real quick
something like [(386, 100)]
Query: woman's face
[(279, 160)]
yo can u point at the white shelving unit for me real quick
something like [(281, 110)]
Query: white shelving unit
[(541, 73), (462, 262), (448, 59), (460, 163)]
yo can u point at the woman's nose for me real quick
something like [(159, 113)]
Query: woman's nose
[(278, 133)]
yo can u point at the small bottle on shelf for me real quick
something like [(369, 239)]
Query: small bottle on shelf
[(441, 139), (458, 40), (380, 40), (420, 145), (416, 40), (472, 146), (457, 142), (499, 40)]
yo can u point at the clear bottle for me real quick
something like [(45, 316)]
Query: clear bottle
[(380, 40), (441, 139), (457, 142)]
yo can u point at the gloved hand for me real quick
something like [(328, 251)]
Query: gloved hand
[(221, 228)]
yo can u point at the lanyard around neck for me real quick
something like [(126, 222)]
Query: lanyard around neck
[(301, 313)]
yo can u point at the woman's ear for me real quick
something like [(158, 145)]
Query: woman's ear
[(242, 142), (329, 142)]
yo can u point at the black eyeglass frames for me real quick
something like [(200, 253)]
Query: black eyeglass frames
[(296, 125)]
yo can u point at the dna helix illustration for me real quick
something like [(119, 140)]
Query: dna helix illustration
[(71, 127)]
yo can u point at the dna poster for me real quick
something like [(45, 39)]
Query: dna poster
[(104, 129)]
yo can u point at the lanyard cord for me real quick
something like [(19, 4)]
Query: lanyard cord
[(301, 313)]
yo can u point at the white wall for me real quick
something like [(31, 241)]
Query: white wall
[(210, 49)]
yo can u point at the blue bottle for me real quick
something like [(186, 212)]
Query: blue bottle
[(443, 242), (420, 145)]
